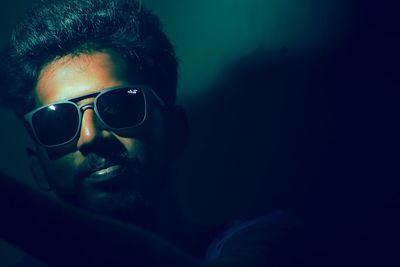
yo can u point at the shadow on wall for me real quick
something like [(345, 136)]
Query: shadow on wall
[(313, 134), (261, 134)]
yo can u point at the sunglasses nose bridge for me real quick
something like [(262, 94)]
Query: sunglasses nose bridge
[(84, 107), (90, 129), (87, 106)]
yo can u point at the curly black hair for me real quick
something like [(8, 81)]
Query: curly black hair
[(53, 30)]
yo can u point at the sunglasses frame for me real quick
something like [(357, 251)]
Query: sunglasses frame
[(146, 90)]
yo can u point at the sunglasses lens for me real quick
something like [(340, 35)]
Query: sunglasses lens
[(122, 108), (56, 124)]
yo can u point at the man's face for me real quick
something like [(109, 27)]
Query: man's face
[(102, 171)]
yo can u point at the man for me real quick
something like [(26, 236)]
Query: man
[(95, 83)]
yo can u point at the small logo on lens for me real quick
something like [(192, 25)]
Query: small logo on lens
[(133, 92)]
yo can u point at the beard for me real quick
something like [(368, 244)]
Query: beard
[(126, 205), (128, 196)]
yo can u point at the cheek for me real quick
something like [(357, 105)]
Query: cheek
[(147, 143), (149, 149), (136, 149), (60, 173)]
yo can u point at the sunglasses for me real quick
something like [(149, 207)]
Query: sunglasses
[(117, 108)]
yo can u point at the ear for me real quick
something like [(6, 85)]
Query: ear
[(36, 167), (176, 130)]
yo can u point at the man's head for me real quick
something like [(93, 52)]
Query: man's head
[(108, 146)]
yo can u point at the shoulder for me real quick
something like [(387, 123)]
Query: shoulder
[(29, 261), (262, 239)]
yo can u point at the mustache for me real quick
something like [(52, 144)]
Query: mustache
[(94, 162)]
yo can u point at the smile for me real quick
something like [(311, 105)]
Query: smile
[(105, 174)]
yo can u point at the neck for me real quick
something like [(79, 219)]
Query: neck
[(168, 219)]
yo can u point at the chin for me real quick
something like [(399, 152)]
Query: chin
[(127, 206)]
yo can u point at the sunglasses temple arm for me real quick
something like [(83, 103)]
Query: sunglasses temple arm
[(159, 99)]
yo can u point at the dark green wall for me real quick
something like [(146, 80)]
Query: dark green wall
[(209, 33)]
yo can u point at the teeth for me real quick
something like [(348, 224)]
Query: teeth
[(107, 170)]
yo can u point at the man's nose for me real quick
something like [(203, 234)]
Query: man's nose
[(91, 131)]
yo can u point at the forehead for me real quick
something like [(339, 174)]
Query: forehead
[(75, 75)]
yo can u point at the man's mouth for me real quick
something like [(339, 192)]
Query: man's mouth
[(104, 174), (107, 174)]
